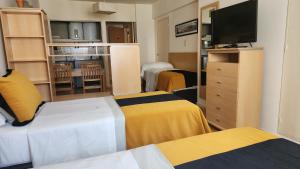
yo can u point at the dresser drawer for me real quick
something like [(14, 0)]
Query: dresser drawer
[(223, 69), (221, 121), (223, 83), (218, 95), (225, 108)]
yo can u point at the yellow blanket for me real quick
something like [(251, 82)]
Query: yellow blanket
[(170, 81), (198, 147), (157, 122)]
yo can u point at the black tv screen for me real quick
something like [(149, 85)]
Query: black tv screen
[(235, 24)]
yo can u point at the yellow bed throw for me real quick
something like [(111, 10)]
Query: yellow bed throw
[(189, 149), (170, 81), (157, 122)]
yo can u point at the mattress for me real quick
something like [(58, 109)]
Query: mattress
[(156, 117), (12, 140)]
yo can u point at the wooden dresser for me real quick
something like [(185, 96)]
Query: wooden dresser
[(234, 85)]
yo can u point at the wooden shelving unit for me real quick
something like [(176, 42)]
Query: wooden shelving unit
[(26, 35), (79, 53)]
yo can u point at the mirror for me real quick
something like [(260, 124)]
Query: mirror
[(205, 44)]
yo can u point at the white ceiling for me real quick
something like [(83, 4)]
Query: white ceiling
[(124, 1)]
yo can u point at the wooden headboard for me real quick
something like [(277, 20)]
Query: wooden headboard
[(184, 61)]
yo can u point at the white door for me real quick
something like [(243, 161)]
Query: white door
[(162, 38)]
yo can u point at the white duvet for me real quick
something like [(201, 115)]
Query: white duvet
[(65, 131), (147, 157)]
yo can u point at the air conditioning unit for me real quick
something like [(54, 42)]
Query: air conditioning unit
[(104, 8)]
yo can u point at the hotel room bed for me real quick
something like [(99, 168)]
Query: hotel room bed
[(92, 127), (12, 140), (156, 117), (179, 73), (246, 148)]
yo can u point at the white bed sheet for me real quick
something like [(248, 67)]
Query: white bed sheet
[(120, 160), (105, 120), (71, 130), (147, 157), (14, 146)]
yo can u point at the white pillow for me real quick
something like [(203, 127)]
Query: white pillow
[(156, 65), (2, 120)]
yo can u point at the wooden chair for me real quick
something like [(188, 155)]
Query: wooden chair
[(63, 77), (92, 77)]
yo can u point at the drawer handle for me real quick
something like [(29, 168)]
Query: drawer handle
[(219, 82), (218, 108), (218, 95), (217, 120), (219, 69)]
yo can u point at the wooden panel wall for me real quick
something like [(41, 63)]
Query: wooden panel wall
[(184, 61)]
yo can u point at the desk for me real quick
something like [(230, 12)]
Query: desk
[(76, 73)]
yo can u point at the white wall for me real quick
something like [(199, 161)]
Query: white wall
[(271, 35), (178, 12), (289, 125), (12, 3), (185, 43), (78, 10), (4, 3), (145, 33), (82, 11), (163, 7)]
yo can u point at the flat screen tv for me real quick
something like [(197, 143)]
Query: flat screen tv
[(235, 24)]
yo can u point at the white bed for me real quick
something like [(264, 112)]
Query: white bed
[(81, 128), (151, 71), (12, 140), (147, 157)]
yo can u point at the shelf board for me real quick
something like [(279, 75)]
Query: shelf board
[(74, 40), (28, 60), (79, 45), (82, 55), (40, 82), (24, 36)]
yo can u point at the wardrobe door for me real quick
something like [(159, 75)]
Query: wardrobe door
[(125, 69)]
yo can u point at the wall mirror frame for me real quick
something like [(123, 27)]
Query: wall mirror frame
[(204, 43)]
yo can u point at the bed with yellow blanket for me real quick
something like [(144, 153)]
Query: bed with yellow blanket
[(171, 80), (156, 117), (243, 148)]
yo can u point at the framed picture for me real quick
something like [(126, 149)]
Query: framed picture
[(186, 28)]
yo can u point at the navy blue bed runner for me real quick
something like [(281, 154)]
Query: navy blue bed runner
[(272, 154), (147, 99)]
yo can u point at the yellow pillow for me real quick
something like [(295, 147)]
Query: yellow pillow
[(21, 96)]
